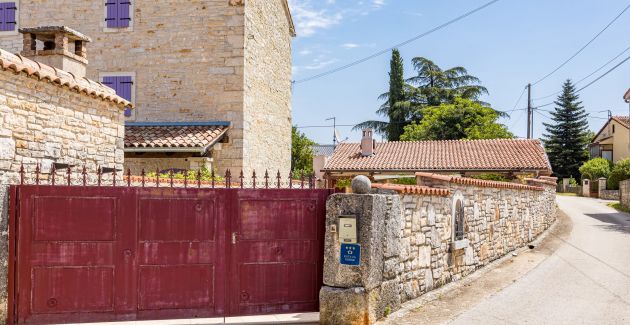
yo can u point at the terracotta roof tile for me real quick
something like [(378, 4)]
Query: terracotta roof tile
[(623, 120), (194, 137), (457, 155), (45, 73), (627, 95), (479, 182), (413, 189)]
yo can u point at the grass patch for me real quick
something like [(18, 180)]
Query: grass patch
[(567, 194), (617, 206)]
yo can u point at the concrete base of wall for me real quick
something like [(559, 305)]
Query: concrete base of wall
[(4, 251)]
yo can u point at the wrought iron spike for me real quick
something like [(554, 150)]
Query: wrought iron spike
[(199, 178), (157, 177), (186, 178), (114, 177), (128, 177), (170, 175), (99, 174), (143, 174), (278, 177), (266, 178), (22, 174), (242, 177), (84, 175), (53, 173), (228, 179), (302, 179), (211, 177), (254, 179), (290, 179), (37, 171), (69, 175)]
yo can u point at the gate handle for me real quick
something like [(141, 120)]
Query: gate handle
[(127, 252), (234, 237)]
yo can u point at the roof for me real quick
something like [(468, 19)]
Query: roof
[(451, 155), (627, 95), (413, 189), (622, 120), (46, 73), (287, 11), (173, 137), (323, 150), (72, 34)]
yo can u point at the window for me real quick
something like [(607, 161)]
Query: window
[(8, 22), (123, 85), (118, 13), (459, 220), (613, 129)]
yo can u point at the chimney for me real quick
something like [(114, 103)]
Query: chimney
[(367, 143), (63, 48)]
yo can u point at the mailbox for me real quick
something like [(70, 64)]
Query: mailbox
[(348, 229)]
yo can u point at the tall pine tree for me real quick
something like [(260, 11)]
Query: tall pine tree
[(566, 138), (397, 118)]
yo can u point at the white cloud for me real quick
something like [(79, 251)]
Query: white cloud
[(305, 52), (378, 3), (320, 64), (350, 45), (309, 20)]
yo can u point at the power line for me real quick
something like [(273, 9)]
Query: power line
[(583, 47), (415, 38), (590, 74)]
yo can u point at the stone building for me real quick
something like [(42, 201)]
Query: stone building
[(210, 79), (51, 117)]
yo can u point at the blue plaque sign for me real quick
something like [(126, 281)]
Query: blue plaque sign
[(350, 254)]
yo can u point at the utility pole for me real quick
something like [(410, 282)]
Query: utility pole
[(530, 112), (334, 119)]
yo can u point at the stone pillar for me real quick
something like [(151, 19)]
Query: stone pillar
[(29, 45), (565, 184), (358, 294), (601, 186), (61, 43), (4, 250), (586, 187)]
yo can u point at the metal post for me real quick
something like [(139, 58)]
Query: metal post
[(530, 113)]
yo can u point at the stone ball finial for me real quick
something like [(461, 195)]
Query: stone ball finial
[(361, 185)]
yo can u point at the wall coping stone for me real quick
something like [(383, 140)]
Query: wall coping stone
[(413, 189), (479, 182)]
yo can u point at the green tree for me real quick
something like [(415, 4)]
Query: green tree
[(432, 86), (301, 153), (566, 138), (595, 168), (619, 172), (463, 119)]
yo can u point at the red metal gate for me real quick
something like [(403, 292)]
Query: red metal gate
[(83, 254)]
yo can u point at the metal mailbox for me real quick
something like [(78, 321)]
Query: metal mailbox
[(348, 229)]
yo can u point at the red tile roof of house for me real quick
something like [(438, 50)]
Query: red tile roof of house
[(623, 120), (413, 189), (45, 73), (480, 182), (455, 155), (195, 137), (627, 95)]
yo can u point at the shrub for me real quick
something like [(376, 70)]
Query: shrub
[(343, 183), (491, 177), (595, 168), (405, 181), (620, 172), (206, 175)]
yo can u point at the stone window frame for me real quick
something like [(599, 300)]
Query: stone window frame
[(122, 29), (15, 31), (134, 86), (463, 242)]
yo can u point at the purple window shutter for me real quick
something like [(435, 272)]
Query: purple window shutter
[(3, 16), (124, 14), (111, 83), (125, 83), (112, 13), (9, 16)]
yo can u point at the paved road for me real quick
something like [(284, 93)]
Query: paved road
[(586, 280)]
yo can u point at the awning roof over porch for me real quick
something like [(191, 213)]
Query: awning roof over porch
[(197, 137)]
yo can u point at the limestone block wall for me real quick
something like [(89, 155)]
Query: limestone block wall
[(408, 246), (267, 69), (624, 193)]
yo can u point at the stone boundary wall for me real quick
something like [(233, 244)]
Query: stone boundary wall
[(609, 195), (407, 240)]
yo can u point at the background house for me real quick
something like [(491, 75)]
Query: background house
[(321, 154), (211, 79), (612, 142), (508, 157)]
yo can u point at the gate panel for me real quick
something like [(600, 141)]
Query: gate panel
[(277, 247)]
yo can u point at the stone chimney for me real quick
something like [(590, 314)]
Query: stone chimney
[(63, 48), (367, 143)]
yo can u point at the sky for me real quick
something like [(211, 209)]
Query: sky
[(507, 45)]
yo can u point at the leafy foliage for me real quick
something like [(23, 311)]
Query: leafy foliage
[(463, 119), (405, 181), (206, 175), (566, 138), (619, 172), (491, 177), (432, 86), (301, 153), (343, 183), (596, 168)]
